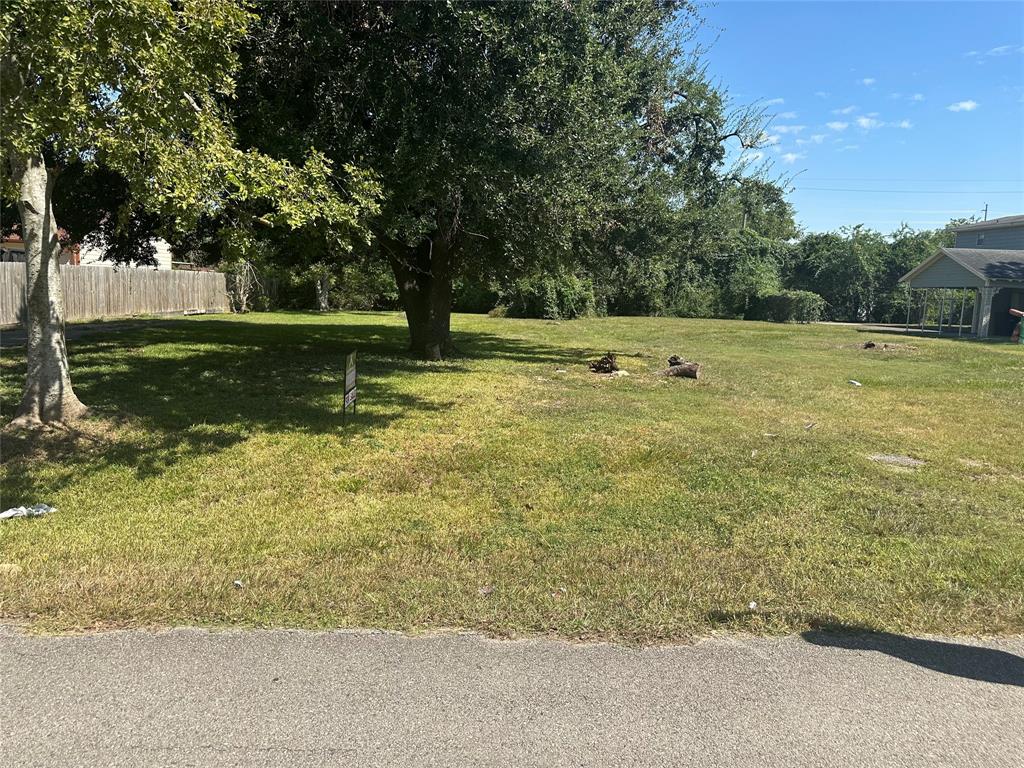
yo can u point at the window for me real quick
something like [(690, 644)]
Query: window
[(981, 239)]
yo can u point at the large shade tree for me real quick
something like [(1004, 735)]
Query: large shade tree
[(509, 137), (137, 88)]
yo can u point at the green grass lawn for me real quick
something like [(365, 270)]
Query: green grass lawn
[(637, 508)]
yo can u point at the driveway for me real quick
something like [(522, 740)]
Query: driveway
[(288, 698)]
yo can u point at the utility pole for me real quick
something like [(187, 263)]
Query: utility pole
[(986, 212)]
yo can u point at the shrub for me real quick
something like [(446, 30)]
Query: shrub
[(474, 296), (695, 294), (552, 297), (787, 307)]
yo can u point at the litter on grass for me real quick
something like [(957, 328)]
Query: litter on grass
[(36, 510), (855, 383)]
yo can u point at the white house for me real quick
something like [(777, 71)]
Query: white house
[(12, 248)]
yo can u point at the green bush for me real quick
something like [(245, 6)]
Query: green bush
[(552, 297), (474, 296), (787, 307), (696, 299), (695, 293)]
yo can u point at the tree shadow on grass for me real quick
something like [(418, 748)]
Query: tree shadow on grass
[(196, 387)]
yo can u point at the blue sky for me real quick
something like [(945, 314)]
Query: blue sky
[(918, 104)]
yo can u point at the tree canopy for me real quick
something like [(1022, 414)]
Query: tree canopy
[(508, 137), (137, 89)]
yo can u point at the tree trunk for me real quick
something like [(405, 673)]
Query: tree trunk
[(48, 396), (686, 370), (424, 277), (323, 291)]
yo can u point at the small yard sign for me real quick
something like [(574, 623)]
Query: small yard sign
[(350, 386)]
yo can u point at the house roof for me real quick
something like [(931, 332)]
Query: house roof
[(1005, 221), (987, 263)]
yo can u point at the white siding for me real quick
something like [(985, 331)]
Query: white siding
[(93, 256)]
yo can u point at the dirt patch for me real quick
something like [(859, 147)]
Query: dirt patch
[(896, 460), (53, 443), (887, 347)]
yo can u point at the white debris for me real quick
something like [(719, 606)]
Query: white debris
[(36, 510), (855, 383), (238, 584), (752, 606), (620, 373)]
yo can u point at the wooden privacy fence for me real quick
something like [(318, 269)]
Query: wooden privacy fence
[(91, 293)]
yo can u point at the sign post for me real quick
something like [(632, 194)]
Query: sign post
[(350, 386)]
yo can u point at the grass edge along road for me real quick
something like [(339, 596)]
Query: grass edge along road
[(514, 492)]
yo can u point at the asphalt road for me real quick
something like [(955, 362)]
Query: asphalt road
[(283, 698)]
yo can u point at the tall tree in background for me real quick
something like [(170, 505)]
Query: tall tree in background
[(136, 88), (509, 137), (760, 206)]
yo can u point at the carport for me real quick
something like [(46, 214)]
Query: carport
[(993, 277)]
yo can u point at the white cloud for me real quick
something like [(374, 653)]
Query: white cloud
[(837, 125), (771, 102), (848, 147), (868, 123), (844, 110), (818, 138), (868, 81), (917, 97), (787, 116), (963, 106), (999, 50), (791, 157), (906, 124), (822, 94), (752, 157), (766, 139), (788, 128)]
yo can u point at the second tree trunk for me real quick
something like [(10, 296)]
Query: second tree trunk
[(48, 396)]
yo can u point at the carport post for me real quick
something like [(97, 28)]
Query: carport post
[(924, 309), (910, 298), (942, 308), (963, 305)]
